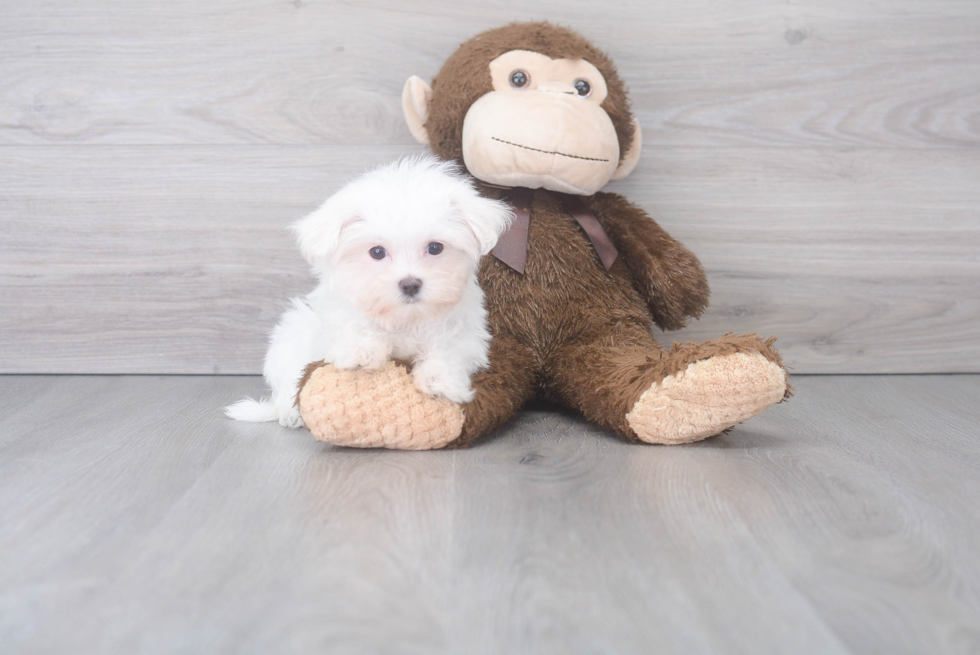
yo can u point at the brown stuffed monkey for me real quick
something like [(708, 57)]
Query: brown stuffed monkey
[(540, 117)]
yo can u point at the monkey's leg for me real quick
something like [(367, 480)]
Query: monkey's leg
[(501, 389), (375, 409), (384, 409), (621, 378)]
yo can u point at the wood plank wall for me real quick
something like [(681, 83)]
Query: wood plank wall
[(821, 156)]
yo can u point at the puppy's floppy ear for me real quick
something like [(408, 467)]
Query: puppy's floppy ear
[(319, 233), (487, 219)]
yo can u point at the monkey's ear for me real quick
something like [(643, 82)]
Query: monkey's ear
[(632, 155), (415, 104)]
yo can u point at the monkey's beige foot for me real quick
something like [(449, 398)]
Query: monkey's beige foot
[(376, 409), (706, 398)]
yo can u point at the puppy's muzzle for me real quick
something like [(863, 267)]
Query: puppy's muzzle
[(410, 287)]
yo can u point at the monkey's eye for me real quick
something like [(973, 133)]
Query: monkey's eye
[(377, 252), (583, 87), (519, 79), (434, 248)]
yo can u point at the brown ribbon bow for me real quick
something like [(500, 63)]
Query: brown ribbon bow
[(511, 248)]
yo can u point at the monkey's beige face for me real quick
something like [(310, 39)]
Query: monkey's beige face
[(542, 126)]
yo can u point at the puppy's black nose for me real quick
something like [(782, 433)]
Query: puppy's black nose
[(410, 286)]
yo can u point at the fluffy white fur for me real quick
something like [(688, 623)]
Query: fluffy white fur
[(359, 316)]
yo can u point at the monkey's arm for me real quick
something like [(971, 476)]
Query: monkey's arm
[(668, 275)]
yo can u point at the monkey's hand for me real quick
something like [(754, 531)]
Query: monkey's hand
[(667, 275)]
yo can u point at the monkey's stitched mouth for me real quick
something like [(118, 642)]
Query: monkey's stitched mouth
[(550, 152)]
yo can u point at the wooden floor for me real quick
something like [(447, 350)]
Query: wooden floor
[(135, 518)]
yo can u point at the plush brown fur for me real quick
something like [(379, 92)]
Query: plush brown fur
[(578, 335), (465, 77), (567, 328)]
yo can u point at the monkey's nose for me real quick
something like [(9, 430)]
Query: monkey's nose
[(557, 87), (410, 286)]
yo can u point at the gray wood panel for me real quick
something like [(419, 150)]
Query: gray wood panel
[(176, 259), (759, 72), (136, 518), (820, 157)]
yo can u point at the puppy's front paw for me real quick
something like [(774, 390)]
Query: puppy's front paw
[(290, 418), (369, 355), (440, 380)]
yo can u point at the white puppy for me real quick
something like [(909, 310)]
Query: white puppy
[(396, 252)]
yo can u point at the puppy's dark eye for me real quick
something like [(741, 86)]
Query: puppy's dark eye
[(377, 252), (519, 79), (434, 248), (584, 88)]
